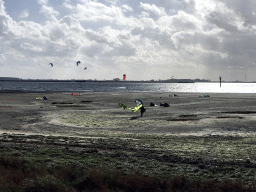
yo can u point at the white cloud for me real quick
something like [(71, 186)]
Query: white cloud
[(29, 47), (4, 19), (180, 22), (145, 14), (24, 14), (92, 11), (67, 5), (152, 8), (48, 10), (127, 8), (114, 2), (42, 2), (97, 11), (73, 25), (204, 7), (73, 42), (102, 37), (2, 58)]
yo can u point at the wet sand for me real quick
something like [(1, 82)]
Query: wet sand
[(63, 113), (202, 137)]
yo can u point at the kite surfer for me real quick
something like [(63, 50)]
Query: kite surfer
[(139, 105)]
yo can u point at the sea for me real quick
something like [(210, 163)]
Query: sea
[(128, 87)]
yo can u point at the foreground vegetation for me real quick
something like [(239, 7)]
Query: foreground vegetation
[(18, 174), (110, 161)]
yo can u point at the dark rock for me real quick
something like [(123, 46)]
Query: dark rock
[(247, 161), (201, 166), (164, 104), (152, 104), (199, 160)]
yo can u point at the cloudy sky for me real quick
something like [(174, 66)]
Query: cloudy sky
[(143, 39)]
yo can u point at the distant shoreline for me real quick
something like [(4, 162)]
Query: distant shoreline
[(101, 81), (112, 81), (10, 79)]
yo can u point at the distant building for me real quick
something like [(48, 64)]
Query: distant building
[(202, 80), (9, 78), (116, 79)]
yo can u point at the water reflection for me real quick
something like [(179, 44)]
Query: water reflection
[(126, 86)]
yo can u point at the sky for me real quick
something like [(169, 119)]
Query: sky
[(160, 39)]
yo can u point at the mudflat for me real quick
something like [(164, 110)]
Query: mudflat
[(204, 137), (219, 114)]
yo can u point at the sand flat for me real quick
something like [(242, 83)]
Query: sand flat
[(99, 111)]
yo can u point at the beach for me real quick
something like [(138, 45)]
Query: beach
[(189, 114), (208, 137)]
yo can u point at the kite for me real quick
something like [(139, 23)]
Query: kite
[(78, 62), (85, 68), (50, 64), (124, 106)]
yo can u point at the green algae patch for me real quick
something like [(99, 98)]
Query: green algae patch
[(107, 120)]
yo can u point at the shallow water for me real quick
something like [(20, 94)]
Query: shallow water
[(130, 87)]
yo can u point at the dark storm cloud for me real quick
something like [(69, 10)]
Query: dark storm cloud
[(221, 23), (246, 9)]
